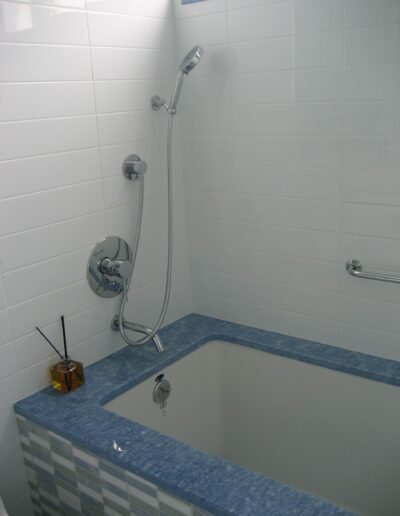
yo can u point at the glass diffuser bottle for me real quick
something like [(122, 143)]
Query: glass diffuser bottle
[(67, 375)]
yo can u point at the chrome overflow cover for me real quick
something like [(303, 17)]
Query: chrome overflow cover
[(161, 391)]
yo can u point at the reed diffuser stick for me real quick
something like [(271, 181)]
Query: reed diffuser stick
[(64, 337), (48, 340)]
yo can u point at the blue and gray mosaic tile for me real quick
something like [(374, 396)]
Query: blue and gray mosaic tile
[(66, 480)]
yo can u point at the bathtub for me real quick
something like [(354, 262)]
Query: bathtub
[(331, 434), (257, 423)]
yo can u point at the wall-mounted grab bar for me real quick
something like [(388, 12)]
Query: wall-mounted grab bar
[(354, 267)]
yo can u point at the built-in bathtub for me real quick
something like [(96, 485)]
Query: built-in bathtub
[(251, 413), (331, 434)]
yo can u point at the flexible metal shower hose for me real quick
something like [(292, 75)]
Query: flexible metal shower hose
[(135, 247)]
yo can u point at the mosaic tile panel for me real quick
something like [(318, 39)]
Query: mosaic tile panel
[(66, 480)]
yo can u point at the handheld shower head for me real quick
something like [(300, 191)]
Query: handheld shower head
[(191, 59)]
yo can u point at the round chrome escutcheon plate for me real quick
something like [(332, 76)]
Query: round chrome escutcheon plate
[(114, 248)]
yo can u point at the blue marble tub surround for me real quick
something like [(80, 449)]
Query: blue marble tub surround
[(206, 481)]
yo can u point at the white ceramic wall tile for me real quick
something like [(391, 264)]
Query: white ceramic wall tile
[(33, 210), (288, 151), (372, 45), (153, 9), (36, 280), (5, 332), (124, 127), (44, 63), (32, 348), (129, 31), (8, 363), (373, 118), (47, 308), (375, 187), (371, 153), (45, 242), (313, 180), (260, 88), (318, 15), (15, 489), (10, 457), (288, 119), (360, 13), (47, 172), (364, 340), (112, 96), (24, 23), (45, 100), (262, 55), (260, 22), (373, 220), (197, 8), (317, 85), (131, 63), (242, 4), (54, 201), (204, 30), (321, 49), (35, 137), (8, 426), (371, 82), (74, 4)]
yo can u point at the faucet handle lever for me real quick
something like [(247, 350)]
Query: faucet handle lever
[(119, 268)]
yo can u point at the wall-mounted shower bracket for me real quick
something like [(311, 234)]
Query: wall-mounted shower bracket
[(109, 266), (134, 167), (157, 103)]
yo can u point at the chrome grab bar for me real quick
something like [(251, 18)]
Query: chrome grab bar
[(354, 267)]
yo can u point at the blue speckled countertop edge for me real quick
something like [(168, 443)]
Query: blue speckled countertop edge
[(207, 481)]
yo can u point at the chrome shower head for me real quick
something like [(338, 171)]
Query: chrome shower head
[(191, 59)]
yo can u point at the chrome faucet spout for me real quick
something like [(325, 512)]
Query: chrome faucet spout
[(140, 328), (158, 343)]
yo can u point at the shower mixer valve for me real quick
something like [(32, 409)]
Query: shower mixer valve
[(109, 266)]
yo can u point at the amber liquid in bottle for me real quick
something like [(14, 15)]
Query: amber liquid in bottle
[(67, 376)]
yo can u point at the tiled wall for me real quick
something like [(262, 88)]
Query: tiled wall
[(66, 480), (291, 155), (75, 89), (290, 149)]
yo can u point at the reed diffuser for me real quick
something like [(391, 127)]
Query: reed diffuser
[(67, 375)]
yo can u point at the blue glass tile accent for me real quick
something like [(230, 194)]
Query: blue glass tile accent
[(210, 483), (191, 1)]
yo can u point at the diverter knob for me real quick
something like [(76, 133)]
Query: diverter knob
[(134, 167)]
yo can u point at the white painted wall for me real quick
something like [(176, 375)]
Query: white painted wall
[(291, 155), (74, 101)]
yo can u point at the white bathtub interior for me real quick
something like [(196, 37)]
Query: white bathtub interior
[(331, 434)]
